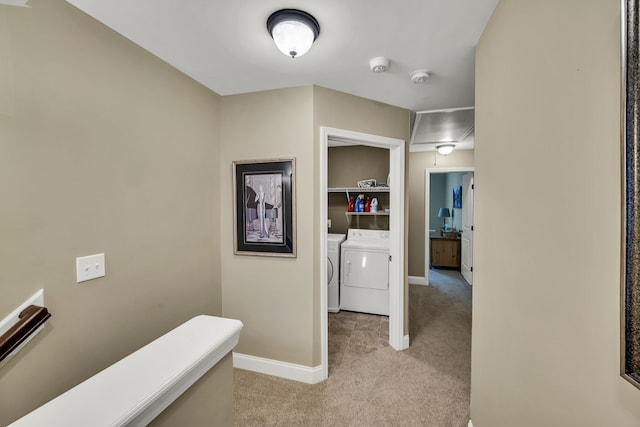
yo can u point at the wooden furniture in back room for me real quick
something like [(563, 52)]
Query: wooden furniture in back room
[(445, 252)]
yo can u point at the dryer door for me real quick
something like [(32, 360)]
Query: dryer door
[(366, 269)]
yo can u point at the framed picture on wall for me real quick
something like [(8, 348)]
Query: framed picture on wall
[(630, 271), (264, 207), (457, 197)]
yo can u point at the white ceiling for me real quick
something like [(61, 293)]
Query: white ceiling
[(225, 45)]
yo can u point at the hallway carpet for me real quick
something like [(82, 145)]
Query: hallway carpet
[(370, 384)]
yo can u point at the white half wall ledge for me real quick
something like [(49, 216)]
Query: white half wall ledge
[(277, 368), (136, 389)]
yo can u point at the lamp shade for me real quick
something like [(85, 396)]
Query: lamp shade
[(444, 213), (293, 31)]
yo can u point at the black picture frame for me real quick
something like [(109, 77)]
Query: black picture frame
[(264, 207), (630, 295)]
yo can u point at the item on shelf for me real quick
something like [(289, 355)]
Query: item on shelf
[(374, 205), (367, 183), (360, 202), (351, 206), (367, 205)]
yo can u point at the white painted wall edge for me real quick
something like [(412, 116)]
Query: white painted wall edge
[(276, 368), (417, 280)]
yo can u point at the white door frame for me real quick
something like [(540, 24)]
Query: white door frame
[(396, 148), (427, 190)]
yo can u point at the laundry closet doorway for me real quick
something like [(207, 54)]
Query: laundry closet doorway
[(397, 339)]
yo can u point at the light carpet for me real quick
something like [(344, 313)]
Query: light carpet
[(370, 384)]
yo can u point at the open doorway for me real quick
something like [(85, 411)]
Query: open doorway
[(456, 216), (397, 338)]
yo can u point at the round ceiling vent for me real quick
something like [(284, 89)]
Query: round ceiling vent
[(419, 76)]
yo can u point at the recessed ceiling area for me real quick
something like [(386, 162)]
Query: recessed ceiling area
[(433, 128)]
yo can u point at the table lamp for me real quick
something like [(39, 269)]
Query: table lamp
[(444, 213)]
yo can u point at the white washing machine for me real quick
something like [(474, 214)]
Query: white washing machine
[(333, 271), (364, 273)]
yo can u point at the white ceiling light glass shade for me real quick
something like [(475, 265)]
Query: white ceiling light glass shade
[(445, 149), (293, 31)]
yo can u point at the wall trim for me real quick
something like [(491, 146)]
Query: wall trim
[(417, 280), (470, 424), (277, 368)]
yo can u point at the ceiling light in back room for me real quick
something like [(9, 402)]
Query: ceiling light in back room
[(293, 31), (445, 149)]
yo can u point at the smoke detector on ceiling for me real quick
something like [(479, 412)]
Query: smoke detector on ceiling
[(379, 64), (419, 76)]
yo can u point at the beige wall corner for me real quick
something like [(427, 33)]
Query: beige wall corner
[(105, 148), (546, 294), (278, 299), (418, 162)]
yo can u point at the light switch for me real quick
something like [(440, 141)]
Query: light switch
[(90, 267)]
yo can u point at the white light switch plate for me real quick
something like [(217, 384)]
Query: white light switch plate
[(90, 267)]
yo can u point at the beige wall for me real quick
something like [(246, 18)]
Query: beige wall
[(208, 402), (272, 296), (418, 162), (348, 165), (345, 167), (104, 148), (546, 299)]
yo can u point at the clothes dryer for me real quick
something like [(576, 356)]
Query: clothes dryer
[(364, 284), (334, 241)]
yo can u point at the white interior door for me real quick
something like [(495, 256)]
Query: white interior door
[(466, 249)]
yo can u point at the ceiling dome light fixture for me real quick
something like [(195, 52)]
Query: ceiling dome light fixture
[(445, 149), (293, 31)]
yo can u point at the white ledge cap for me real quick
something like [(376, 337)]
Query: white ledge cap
[(136, 389)]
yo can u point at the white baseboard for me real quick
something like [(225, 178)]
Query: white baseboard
[(417, 280), (405, 342), (470, 424), (287, 370)]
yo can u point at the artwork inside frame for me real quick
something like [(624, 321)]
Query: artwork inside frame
[(264, 207), (630, 295), (457, 197)]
